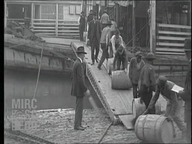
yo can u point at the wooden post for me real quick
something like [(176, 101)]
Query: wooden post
[(152, 25), (189, 12), (133, 24), (32, 14), (57, 19), (5, 14)]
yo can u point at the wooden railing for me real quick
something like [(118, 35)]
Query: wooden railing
[(49, 27), (67, 29), (170, 39)]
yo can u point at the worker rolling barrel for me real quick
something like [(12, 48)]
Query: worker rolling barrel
[(120, 80), (154, 128)]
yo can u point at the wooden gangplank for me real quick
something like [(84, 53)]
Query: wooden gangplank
[(117, 103)]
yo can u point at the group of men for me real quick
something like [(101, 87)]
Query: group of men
[(104, 33), (141, 74)]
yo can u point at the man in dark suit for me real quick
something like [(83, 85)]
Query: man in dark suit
[(81, 22), (94, 34), (186, 93), (79, 89)]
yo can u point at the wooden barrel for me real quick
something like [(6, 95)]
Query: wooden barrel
[(120, 80), (138, 108), (154, 128)]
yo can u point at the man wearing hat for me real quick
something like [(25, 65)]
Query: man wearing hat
[(81, 22), (186, 93), (79, 89), (147, 81), (164, 87), (104, 41), (94, 35), (135, 67)]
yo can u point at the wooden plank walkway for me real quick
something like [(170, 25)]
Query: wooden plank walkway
[(117, 103)]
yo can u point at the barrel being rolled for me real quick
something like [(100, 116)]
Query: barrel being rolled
[(154, 128), (120, 80), (138, 108)]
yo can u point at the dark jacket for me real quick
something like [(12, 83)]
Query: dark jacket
[(94, 31), (78, 79), (134, 72), (147, 76), (82, 23)]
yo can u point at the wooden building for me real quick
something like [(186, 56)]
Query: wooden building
[(48, 17), (159, 26)]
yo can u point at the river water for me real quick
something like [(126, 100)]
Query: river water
[(54, 89)]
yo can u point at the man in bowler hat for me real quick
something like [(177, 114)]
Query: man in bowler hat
[(79, 89)]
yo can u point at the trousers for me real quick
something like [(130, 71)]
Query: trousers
[(78, 112), (104, 54), (173, 110)]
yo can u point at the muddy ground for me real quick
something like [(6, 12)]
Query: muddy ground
[(57, 126)]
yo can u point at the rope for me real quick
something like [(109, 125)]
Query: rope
[(138, 32), (39, 70), (105, 133)]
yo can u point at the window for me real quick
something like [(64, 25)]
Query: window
[(78, 9), (60, 11), (72, 9), (48, 11)]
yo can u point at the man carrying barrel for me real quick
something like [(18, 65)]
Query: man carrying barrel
[(136, 64), (147, 82), (164, 87), (186, 93)]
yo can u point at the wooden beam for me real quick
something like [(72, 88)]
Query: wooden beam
[(133, 24), (5, 14), (57, 17), (32, 14), (152, 25)]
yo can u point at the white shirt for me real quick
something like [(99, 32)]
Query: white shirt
[(80, 59)]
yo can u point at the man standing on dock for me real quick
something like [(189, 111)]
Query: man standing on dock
[(79, 89), (186, 93), (135, 67), (147, 81), (94, 35), (81, 22)]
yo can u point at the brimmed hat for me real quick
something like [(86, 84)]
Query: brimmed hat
[(138, 54), (187, 45), (150, 56), (80, 50)]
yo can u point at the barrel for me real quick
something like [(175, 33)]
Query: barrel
[(154, 128), (120, 80), (138, 108)]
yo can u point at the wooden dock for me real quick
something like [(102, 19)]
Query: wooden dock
[(117, 103)]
